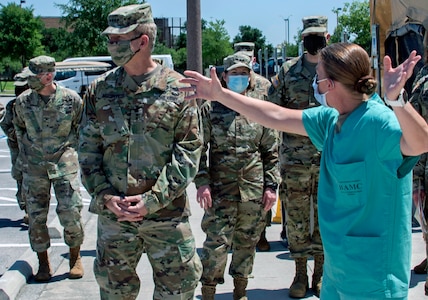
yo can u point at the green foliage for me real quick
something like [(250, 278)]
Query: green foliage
[(20, 34), (56, 41), (88, 19), (215, 43), (9, 67), (354, 19), (292, 50), (250, 34)]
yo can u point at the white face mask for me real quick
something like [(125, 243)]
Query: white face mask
[(321, 98)]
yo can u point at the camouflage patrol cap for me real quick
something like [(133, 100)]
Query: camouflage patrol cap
[(20, 79), (126, 18), (40, 64), (314, 24), (235, 61)]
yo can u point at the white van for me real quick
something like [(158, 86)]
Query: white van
[(77, 75), (105, 59), (163, 59)]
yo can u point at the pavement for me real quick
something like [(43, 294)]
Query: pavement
[(272, 275)]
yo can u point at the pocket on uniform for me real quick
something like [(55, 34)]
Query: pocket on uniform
[(351, 184), (363, 260)]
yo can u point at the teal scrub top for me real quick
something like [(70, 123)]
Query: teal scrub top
[(364, 199)]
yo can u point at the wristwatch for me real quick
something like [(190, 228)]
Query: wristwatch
[(400, 102), (272, 185)]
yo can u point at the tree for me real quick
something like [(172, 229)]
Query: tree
[(250, 34), (215, 43), (56, 41), (87, 19), (355, 21), (20, 34)]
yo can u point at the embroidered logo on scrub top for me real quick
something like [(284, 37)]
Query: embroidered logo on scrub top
[(351, 187)]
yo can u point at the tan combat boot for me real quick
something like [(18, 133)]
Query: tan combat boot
[(317, 276), (44, 274), (240, 284), (208, 292), (300, 283), (263, 244), (76, 267)]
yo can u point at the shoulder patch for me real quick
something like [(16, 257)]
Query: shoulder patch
[(275, 81)]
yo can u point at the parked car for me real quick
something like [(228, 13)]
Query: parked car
[(77, 75), (163, 59)]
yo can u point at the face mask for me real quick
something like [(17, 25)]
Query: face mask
[(238, 83), (121, 52), (35, 83), (314, 43), (321, 98)]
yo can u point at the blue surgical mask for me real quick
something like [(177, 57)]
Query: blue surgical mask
[(321, 98), (238, 83)]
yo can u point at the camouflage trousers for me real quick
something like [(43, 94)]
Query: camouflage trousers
[(299, 185), (16, 173), (170, 248), (20, 197), (230, 225), (37, 191)]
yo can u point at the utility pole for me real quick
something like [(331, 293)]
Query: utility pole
[(21, 2), (287, 29), (194, 36), (337, 16)]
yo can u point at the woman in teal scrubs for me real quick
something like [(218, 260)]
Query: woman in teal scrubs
[(368, 151)]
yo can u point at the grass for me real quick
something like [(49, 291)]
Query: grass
[(7, 87)]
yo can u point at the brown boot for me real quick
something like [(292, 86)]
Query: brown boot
[(25, 219), (208, 292), (317, 276), (426, 287), (300, 283), (44, 274), (239, 292), (421, 268), (76, 267), (263, 244)]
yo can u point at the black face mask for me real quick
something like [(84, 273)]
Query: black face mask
[(314, 43)]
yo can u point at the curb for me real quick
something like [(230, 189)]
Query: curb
[(17, 275)]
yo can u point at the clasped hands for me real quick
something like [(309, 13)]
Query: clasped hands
[(127, 208)]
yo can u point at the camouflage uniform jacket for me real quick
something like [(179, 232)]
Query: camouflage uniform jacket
[(419, 100), (6, 123), (243, 155), (47, 132), (292, 88), (140, 140)]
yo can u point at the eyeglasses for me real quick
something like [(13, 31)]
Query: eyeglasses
[(320, 80), (122, 42)]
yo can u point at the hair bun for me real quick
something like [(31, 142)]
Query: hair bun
[(366, 85)]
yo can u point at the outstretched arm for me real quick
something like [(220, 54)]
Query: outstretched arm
[(414, 140), (263, 112)]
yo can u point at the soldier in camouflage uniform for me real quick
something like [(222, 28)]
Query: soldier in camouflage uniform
[(260, 83), (419, 100), (237, 186), (139, 150), (300, 160), (6, 123), (46, 122)]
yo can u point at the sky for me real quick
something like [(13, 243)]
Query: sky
[(269, 16)]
